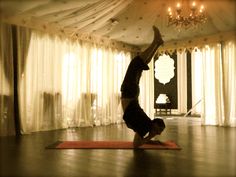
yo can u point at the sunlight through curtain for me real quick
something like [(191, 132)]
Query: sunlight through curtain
[(146, 98), (229, 82), (197, 83), (182, 81), (70, 84), (218, 84)]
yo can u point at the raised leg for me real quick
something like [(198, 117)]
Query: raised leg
[(150, 51)]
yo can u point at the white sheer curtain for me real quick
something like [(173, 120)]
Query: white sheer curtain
[(229, 82), (146, 98), (63, 83), (6, 81), (182, 81), (70, 84), (218, 83), (197, 83)]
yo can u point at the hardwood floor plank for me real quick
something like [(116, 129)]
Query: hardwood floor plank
[(206, 151)]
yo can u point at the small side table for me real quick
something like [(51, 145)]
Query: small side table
[(164, 107)]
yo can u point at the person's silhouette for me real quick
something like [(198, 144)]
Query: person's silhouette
[(134, 116)]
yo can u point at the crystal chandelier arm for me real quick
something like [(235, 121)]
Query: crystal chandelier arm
[(195, 18)]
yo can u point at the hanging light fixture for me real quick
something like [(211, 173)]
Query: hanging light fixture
[(187, 17)]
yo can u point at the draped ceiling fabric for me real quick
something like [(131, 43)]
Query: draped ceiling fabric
[(122, 23)]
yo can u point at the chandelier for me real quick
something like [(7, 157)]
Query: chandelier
[(188, 17)]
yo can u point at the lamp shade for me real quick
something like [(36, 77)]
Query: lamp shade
[(162, 99)]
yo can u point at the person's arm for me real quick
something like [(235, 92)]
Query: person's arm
[(149, 137), (138, 140)]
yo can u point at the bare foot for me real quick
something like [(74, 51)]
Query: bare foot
[(157, 36)]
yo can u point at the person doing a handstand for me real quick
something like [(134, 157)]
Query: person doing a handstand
[(134, 116)]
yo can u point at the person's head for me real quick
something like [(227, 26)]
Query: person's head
[(158, 126)]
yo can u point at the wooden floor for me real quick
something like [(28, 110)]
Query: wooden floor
[(206, 151)]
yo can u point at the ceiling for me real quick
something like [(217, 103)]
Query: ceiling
[(128, 21)]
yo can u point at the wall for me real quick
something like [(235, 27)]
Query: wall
[(171, 88)]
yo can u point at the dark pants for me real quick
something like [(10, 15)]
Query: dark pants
[(136, 119)]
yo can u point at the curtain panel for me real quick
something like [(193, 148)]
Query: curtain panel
[(70, 84), (182, 81), (63, 83), (7, 124), (197, 81), (216, 83)]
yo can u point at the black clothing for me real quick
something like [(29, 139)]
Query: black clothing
[(136, 119), (130, 85), (134, 116)]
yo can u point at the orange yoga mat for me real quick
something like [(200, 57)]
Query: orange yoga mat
[(112, 145)]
